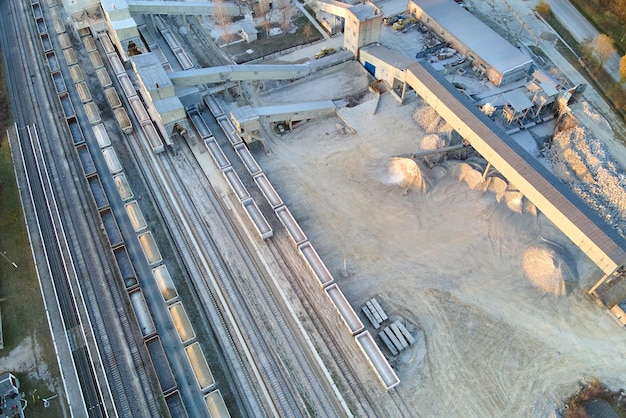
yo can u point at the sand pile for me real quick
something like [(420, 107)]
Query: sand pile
[(408, 174), (430, 121), (546, 269), (431, 142)]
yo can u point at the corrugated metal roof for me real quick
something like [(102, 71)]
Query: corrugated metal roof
[(390, 56), (572, 207), (477, 36)]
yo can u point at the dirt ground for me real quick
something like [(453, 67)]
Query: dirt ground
[(447, 259)]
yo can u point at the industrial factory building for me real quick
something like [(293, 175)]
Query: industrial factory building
[(494, 56)]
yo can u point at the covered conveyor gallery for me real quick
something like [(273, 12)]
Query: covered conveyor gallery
[(555, 200)]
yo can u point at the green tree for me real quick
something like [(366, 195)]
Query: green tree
[(543, 8), (603, 46), (307, 30)]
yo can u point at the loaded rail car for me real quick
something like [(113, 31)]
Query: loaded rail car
[(103, 77), (377, 360), (150, 248), (70, 56), (248, 159), (165, 283), (59, 82), (93, 113), (136, 216), (127, 85), (349, 316), (53, 62), (96, 59), (75, 131), (291, 225), (64, 40), (138, 109), (161, 365), (271, 195), (216, 152), (110, 227), (123, 188), (153, 137), (213, 105), (123, 120), (200, 367), (99, 196), (235, 183), (229, 130), (316, 264), (126, 268), (116, 64), (59, 27), (66, 104), (89, 167), (216, 405), (102, 136), (76, 73), (112, 98), (83, 92), (199, 124), (262, 226), (90, 44), (107, 45), (142, 314), (110, 157), (181, 322), (46, 43), (175, 405)]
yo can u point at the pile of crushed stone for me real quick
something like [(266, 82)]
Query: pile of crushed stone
[(546, 269)]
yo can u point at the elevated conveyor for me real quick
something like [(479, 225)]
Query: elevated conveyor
[(603, 245), (242, 72), (197, 8)]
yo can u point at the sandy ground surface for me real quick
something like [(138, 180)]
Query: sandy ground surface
[(448, 259), (494, 292)]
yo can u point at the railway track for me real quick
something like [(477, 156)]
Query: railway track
[(197, 269), (24, 96), (304, 373), (97, 354)]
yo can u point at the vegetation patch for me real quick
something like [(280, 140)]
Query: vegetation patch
[(21, 304), (589, 64), (594, 396), (265, 45)]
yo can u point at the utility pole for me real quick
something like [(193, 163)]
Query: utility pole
[(46, 401), (3, 254)]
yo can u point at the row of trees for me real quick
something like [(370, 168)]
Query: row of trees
[(616, 7)]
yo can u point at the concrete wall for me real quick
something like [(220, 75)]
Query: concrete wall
[(384, 71), (358, 33)]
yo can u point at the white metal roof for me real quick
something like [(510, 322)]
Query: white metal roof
[(477, 36), (517, 100)]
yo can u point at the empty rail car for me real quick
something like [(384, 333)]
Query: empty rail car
[(349, 316)]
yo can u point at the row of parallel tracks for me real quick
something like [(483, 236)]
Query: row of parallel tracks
[(104, 350), (287, 368), (258, 284)]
